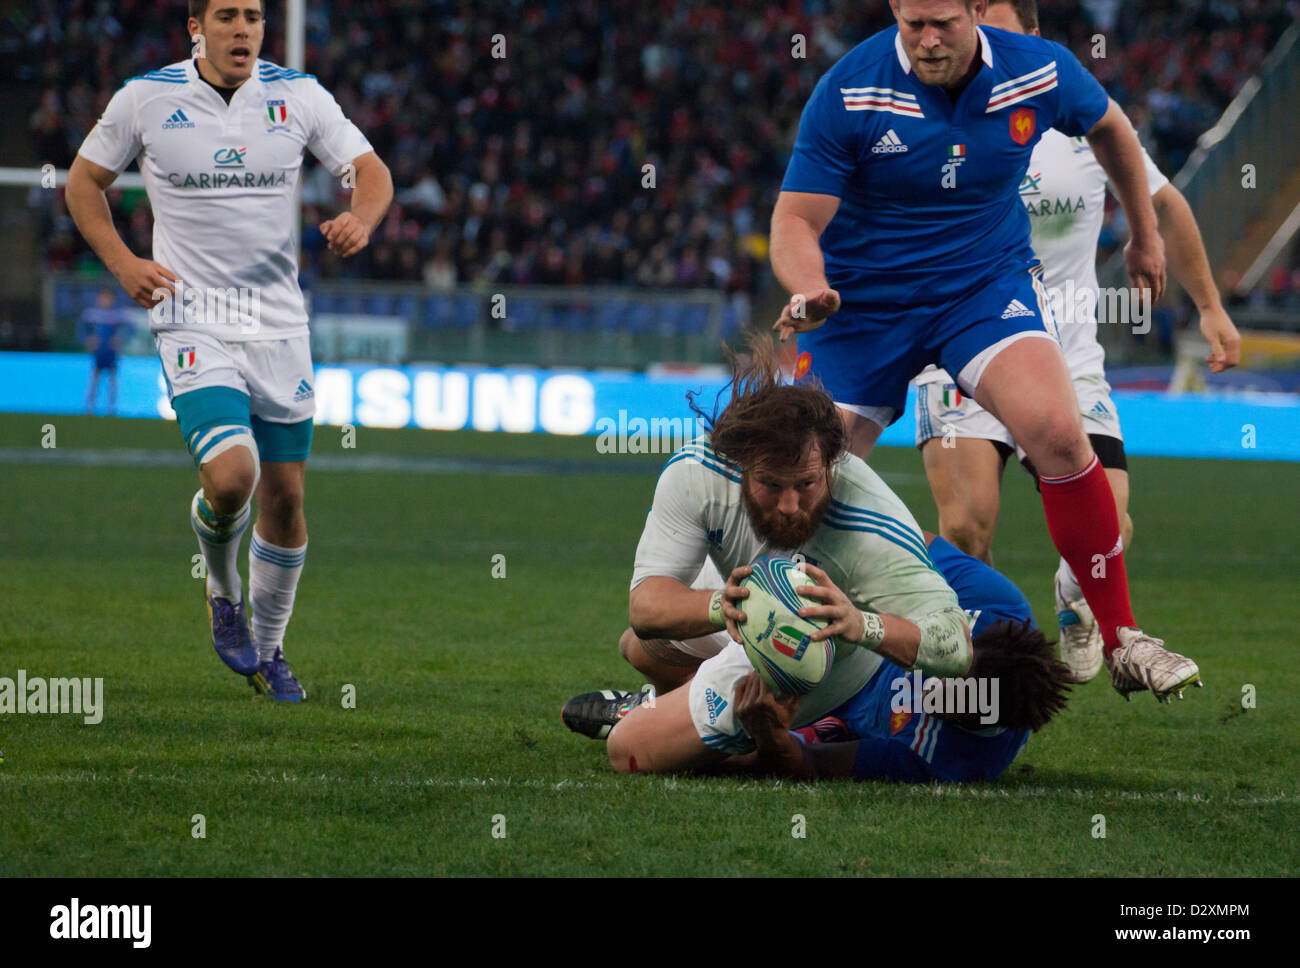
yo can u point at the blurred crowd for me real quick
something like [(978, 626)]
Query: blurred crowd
[(536, 167)]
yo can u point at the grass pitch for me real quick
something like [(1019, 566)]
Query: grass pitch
[(459, 677)]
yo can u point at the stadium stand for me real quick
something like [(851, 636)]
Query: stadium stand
[(528, 170)]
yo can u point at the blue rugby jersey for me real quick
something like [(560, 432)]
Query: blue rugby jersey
[(105, 324), (929, 190), (910, 745)]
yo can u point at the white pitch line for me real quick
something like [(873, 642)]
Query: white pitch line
[(680, 785)]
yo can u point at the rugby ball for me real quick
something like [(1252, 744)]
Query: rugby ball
[(776, 640)]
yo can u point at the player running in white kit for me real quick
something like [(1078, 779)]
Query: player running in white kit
[(220, 141), (965, 448)]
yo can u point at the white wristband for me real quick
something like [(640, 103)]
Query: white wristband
[(716, 618), (873, 631)]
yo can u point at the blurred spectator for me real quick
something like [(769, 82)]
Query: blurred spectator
[(634, 143)]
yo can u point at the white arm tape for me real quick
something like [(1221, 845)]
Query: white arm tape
[(945, 648)]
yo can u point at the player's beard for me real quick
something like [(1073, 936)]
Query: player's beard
[(785, 531)]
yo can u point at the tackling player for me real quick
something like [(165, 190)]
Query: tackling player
[(772, 477), (965, 448), (899, 216), (220, 140)]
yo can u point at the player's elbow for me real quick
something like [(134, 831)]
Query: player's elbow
[(801, 216), (640, 616), (945, 648)]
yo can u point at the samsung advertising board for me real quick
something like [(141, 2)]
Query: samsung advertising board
[(614, 404)]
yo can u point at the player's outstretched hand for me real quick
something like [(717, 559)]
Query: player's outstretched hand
[(765, 717), (844, 617), (346, 234), (732, 595), (1225, 342), (145, 281), (1146, 266), (806, 311)]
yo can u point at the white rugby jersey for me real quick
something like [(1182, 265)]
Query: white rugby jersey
[(868, 543), (221, 180), (1064, 192)]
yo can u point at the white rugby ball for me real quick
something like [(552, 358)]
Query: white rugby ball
[(777, 641)]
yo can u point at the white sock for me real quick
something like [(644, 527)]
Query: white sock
[(272, 582), (1067, 584), (219, 536)]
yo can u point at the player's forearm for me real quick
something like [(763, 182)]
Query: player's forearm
[(938, 643), (88, 206), (1186, 251), (664, 608), (900, 643), (373, 194), (797, 255), (1118, 151)]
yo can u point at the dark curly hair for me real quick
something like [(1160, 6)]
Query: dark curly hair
[(1033, 682)]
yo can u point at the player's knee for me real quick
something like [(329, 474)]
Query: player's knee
[(1059, 439), (971, 530), (620, 754), (629, 646), (281, 503), (228, 480)]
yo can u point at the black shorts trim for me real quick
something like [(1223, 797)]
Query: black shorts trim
[(1109, 450)]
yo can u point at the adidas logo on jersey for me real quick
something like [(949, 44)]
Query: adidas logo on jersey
[(890, 144), (177, 120), (1100, 410), (1016, 308), (304, 392)]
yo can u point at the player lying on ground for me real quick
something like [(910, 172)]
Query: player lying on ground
[(727, 719), (965, 448), (772, 477), (899, 226), (220, 140)]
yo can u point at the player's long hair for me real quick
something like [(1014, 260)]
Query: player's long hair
[(1033, 683), (767, 420)]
